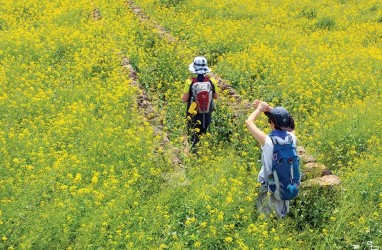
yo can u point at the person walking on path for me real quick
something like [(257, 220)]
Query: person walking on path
[(282, 125), (199, 93)]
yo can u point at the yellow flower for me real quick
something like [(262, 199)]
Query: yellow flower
[(229, 199), (213, 230), (78, 178), (95, 178), (197, 244), (163, 246), (189, 221), (228, 239), (361, 220), (221, 216), (249, 198)]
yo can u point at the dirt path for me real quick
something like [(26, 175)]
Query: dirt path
[(162, 32), (151, 23), (177, 176)]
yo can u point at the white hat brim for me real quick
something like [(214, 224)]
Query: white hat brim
[(201, 70)]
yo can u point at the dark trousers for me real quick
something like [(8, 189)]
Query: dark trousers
[(196, 127)]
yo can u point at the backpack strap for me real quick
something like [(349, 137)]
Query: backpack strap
[(290, 139), (274, 140), (190, 100), (195, 80), (206, 79)]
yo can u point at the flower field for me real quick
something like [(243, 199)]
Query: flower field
[(83, 167)]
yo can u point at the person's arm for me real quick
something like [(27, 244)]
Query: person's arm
[(258, 134), (186, 91), (185, 97), (215, 94), (257, 102)]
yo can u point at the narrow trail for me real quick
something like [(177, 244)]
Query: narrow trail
[(162, 32), (177, 176), (149, 22), (315, 173), (150, 113)]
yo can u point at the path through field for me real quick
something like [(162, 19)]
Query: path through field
[(321, 174)]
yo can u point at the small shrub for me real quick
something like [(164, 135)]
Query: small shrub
[(60, 54), (223, 123), (374, 8), (3, 25), (327, 23), (314, 207), (309, 13), (170, 3)]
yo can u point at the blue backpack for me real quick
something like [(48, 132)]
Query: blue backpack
[(285, 169)]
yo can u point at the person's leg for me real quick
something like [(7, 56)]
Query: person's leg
[(193, 130), (281, 207), (267, 203), (198, 126), (263, 200)]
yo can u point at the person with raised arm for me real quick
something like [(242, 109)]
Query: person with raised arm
[(279, 175)]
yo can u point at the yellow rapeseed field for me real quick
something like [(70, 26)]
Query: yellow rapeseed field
[(82, 166)]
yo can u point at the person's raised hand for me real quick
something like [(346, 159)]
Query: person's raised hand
[(256, 103), (263, 106)]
